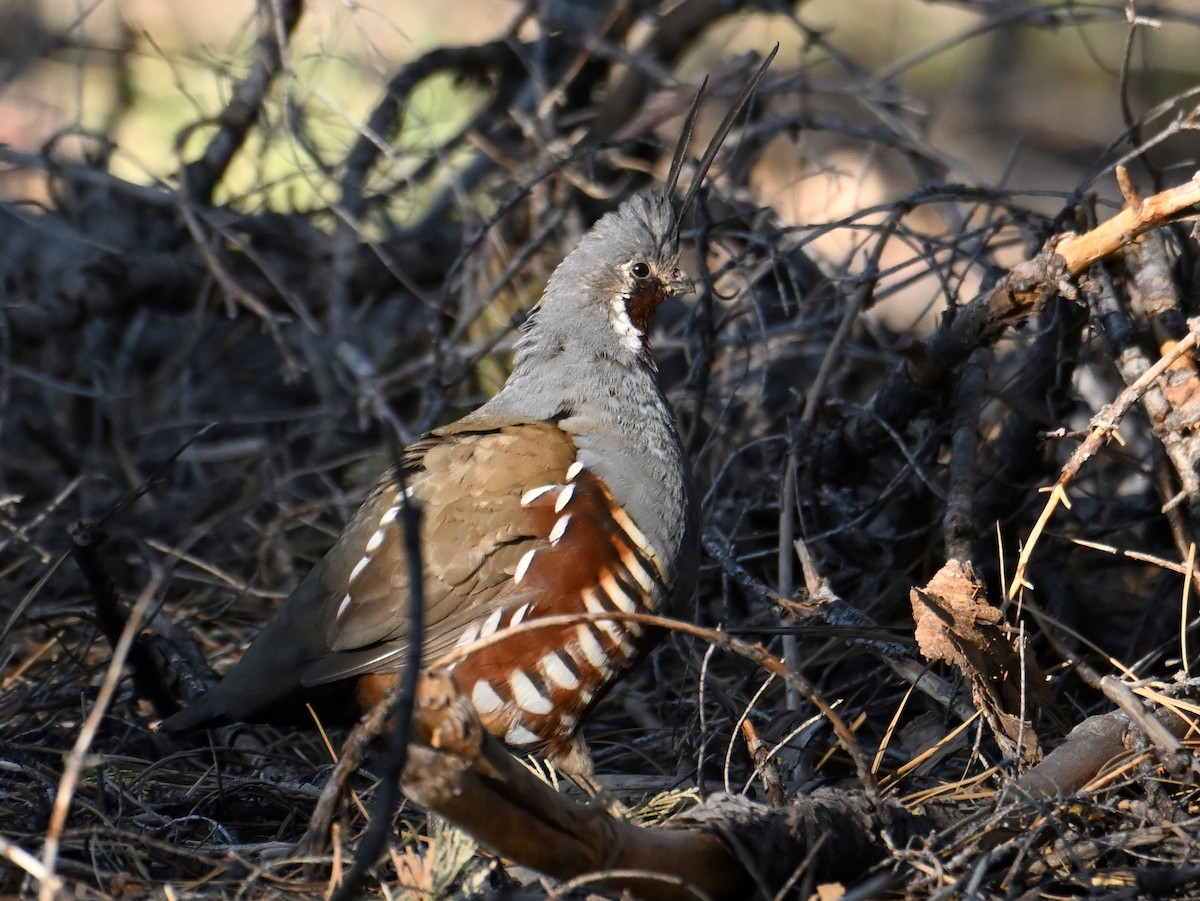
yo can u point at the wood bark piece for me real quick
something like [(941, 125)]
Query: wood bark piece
[(955, 623)]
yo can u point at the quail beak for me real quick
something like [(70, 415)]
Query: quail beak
[(680, 283)]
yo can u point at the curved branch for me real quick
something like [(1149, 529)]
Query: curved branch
[(278, 19)]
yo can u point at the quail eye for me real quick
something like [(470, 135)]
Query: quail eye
[(639, 270)]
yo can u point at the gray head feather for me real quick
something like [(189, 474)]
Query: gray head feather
[(583, 361)]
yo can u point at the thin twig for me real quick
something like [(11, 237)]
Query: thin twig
[(76, 758), (1104, 426)]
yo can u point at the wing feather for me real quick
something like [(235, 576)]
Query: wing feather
[(469, 483)]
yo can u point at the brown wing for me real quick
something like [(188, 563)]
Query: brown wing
[(349, 615), (475, 532), (515, 529), (534, 687)]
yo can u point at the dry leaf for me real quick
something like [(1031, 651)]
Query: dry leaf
[(955, 623)]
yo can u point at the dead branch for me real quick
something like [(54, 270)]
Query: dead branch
[(1081, 251), (1016, 297), (1088, 749), (959, 521), (1104, 426), (729, 848), (277, 19)]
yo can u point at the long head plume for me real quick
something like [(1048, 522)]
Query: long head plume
[(718, 138), (613, 280)]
